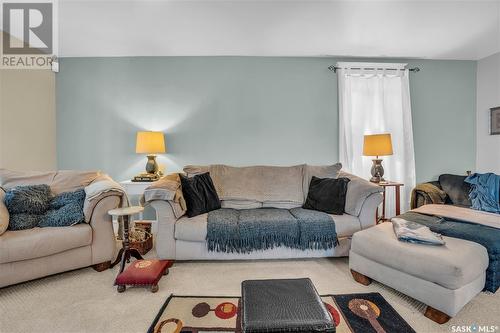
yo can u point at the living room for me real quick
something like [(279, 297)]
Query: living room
[(199, 166)]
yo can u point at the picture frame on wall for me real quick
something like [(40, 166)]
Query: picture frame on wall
[(495, 121)]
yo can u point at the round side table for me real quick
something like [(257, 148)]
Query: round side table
[(126, 252)]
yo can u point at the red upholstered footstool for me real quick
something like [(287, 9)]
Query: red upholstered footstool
[(143, 273)]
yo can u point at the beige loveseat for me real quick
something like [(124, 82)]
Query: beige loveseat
[(34, 253), (183, 238)]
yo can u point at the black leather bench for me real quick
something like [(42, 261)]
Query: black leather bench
[(289, 305)]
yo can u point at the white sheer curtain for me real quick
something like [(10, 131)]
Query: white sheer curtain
[(375, 98)]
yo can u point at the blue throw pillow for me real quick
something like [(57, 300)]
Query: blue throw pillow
[(65, 198), (22, 221), (66, 209), (29, 199)]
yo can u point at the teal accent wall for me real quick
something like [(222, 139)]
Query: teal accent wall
[(244, 110)]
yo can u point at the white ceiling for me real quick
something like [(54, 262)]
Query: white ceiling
[(415, 29)]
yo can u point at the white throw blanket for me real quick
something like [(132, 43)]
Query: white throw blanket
[(100, 188), (412, 232), (461, 214)]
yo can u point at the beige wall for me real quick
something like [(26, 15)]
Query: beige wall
[(27, 119)]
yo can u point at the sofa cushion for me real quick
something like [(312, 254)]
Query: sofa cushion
[(192, 229), (241, 204), (456, 189), (272, 185), (4, 213), (193, 170), (59, 181), (41, 242), (72, 180), (320, 171), (451, 266), (10, 179)]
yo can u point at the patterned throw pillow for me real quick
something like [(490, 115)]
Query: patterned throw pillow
[(22, 221), (66, 209), (29, 199), (34, 206)]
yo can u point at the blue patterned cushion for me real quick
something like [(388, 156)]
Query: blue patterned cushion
[(30, 199), (66, 209), (66, 198), (21, 221), (33, 205)]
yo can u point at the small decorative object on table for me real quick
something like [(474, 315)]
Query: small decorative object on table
[(377, 145), (146, 177), (143, 273)]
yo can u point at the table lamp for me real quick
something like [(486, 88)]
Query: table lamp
[(150, 143), (377, 145)]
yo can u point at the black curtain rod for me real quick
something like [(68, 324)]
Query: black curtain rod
[(334, 69)]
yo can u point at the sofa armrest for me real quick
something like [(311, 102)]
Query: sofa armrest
[(358, 191), (367, 216), (90, 204), (103, 236), (165, 238)]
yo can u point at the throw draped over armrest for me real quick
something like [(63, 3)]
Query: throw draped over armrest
[(425, 194), (167, 189), (100, 188)]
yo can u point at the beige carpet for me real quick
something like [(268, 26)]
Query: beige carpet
[(86, 301)]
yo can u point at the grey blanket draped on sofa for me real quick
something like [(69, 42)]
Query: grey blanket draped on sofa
[(243, 231)]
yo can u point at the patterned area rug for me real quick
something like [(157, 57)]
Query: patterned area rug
[(351, 313)]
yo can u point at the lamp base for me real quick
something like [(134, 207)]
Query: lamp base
[(377, 171), (151, 165)]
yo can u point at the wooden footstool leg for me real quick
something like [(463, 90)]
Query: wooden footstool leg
[(360, 278), (154, 288), (121, 288), (436, 315), (165, 272)]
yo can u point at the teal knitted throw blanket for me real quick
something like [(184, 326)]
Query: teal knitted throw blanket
[(244, 231)]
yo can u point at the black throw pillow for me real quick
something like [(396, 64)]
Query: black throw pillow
[(456, 188), (327, 195), (200, 195)]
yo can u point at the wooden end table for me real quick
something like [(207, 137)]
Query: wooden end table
[(126, 251), (397, 188)]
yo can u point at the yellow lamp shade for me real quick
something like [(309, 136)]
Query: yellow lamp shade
[(377, 145), (150, 143)]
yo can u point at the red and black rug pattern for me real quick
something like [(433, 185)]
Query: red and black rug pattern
[(351, 313)]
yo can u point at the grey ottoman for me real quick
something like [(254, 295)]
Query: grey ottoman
[(445, 278), (291, 305)]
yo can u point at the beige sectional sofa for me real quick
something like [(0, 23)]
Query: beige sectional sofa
[(34, 253), (183, 238)]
